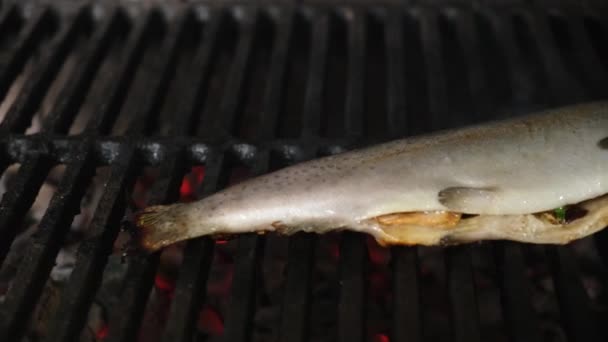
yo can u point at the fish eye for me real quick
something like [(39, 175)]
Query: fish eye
[(603, 144)]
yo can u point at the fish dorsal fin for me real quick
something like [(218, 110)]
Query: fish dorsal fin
[(468, 200)]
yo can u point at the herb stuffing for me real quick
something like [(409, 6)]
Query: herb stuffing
[(560, 214)]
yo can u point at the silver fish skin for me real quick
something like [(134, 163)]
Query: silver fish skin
[(511, 167)]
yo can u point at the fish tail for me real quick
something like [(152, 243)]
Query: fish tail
[(158, 226)]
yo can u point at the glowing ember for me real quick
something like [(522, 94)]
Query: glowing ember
[(381, 338), (164, 285), (190, 183), (210, 322), (102, 333)]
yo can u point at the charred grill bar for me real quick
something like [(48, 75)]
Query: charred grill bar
[(261, 87)]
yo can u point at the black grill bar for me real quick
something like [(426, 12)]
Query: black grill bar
[(521, 82), (468, 39), (159, 85), (397, 117), (464, 314), (240, 314), (8, 12), (351, 312), (356, 66), (93, 252), (407, 311), (108, 105), (19, 197), (72, 95), (406, 325), (588, 60), (295, 309), (579, 321), (125, 315), (28, 100), (435, 75), (519, 316), (463, 300), (198, 248), (353, 252), (43, 248), (520, 320), (28, 39), (313, 102), (236, 77), (190, 287), (276, 75), (564, 87)]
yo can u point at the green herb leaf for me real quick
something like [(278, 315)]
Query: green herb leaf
[(560, 214)]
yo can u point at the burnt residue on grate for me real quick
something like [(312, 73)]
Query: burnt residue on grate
[(117, 107)]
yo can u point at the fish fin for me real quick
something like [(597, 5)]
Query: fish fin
[(467, 200), (158, 226)]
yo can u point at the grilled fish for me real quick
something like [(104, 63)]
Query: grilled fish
[(498, 180)]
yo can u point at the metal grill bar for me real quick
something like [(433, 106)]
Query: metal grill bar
[(125, 316), (407, 311), (579, 322), (240, 314), (464, 315), (520, 320), (295, 310), (407, 323), (521, 83), (397, 117), (223, 120), (190, 287), (313, 104), (276, 75), (8, 12), (93, 252), (21, 111), (468, 39), (589, 62), (159, 85), (27, 41), (564, 88), (72, 95), (43, 248), (435, 76), (19, 197), (353, 252), (356, 66), (463, 300), (126, 313), (109, 104), (236, 78), (239, 318)]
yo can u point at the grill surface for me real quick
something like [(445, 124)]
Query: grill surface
[(260, 88)]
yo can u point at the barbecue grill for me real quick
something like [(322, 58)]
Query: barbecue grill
[(153, 103)]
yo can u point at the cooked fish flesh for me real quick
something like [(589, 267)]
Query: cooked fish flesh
[(506, 179)]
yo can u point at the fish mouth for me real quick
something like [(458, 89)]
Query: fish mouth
[(538, 228)]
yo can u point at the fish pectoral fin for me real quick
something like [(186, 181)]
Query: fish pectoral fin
[(468, 200)]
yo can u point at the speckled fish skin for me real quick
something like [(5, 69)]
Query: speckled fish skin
[(519, 166)]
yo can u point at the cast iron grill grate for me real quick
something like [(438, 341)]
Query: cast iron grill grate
[(238, 86)]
